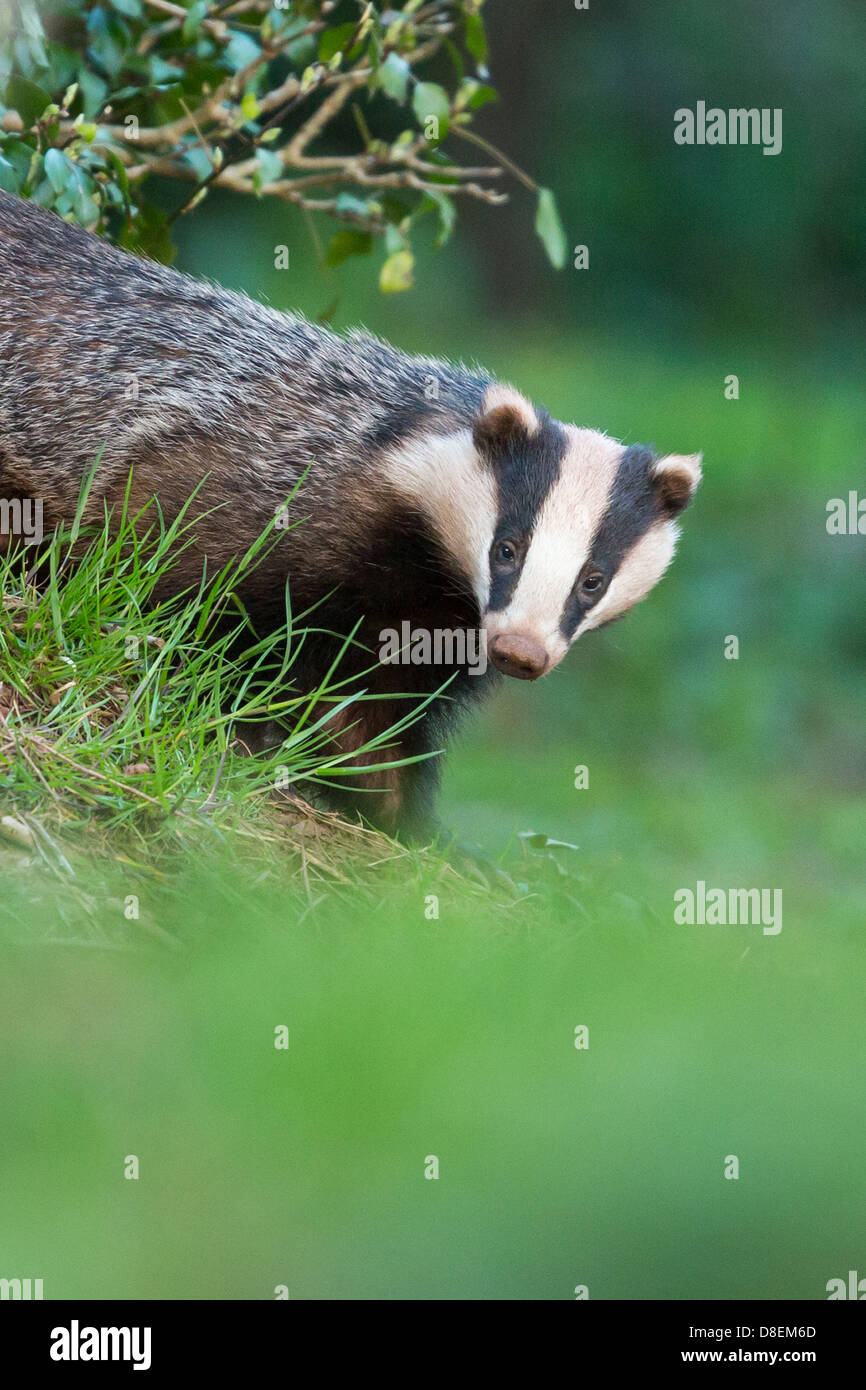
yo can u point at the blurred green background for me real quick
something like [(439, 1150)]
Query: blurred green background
[(454, 1038)]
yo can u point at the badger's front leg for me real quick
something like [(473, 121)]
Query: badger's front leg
[(398, 800)]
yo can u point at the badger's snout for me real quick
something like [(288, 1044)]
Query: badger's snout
[(516, 655)]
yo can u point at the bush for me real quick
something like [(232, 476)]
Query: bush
[(101, 101)]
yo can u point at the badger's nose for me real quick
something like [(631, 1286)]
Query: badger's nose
[(518, 656)]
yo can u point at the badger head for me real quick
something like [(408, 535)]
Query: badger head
[(559, 530)]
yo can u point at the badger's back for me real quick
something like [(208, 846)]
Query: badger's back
[(105, 352)]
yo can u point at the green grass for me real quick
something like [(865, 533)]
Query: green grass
[(410, 1038), (125, 711), (123, 753)]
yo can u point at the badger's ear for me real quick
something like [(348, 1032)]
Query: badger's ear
[(506, 417), (675, 479)]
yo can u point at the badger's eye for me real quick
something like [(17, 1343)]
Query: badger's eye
[(504, 555), (593, 583)]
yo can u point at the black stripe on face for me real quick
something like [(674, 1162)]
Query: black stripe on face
[(633, 507), (526, 469)]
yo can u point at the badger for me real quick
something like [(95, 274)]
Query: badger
[(428, 494)]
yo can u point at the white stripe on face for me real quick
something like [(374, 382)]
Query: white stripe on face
[(443, 476), (559, 547)]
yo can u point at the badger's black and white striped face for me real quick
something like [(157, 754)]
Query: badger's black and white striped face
[(559, 529)]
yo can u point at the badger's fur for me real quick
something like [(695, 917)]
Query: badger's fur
[(431, 494)]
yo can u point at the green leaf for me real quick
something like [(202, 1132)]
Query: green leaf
[(396, 274), (163, 72), (200, 161), (9, 180), (20, 156), (397, 205), (396, 23), (124, 93), (428, 100), (270, 164), (446, 214), (348, 202), (120, 174), (310, 77), (302, 52), (58, 170), (480, 94), (194, 16), (334, 40), (349, 241), (250, 108), (28, 99), (286, 25), (132, 8), (549, 228), (93, 92), (42, 193), (34, 171), (108, 38), (32, 26), (239, 51), (393, 76), (81, 185), (476, 38), (87, 211), (395, 240), (457, 59)]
